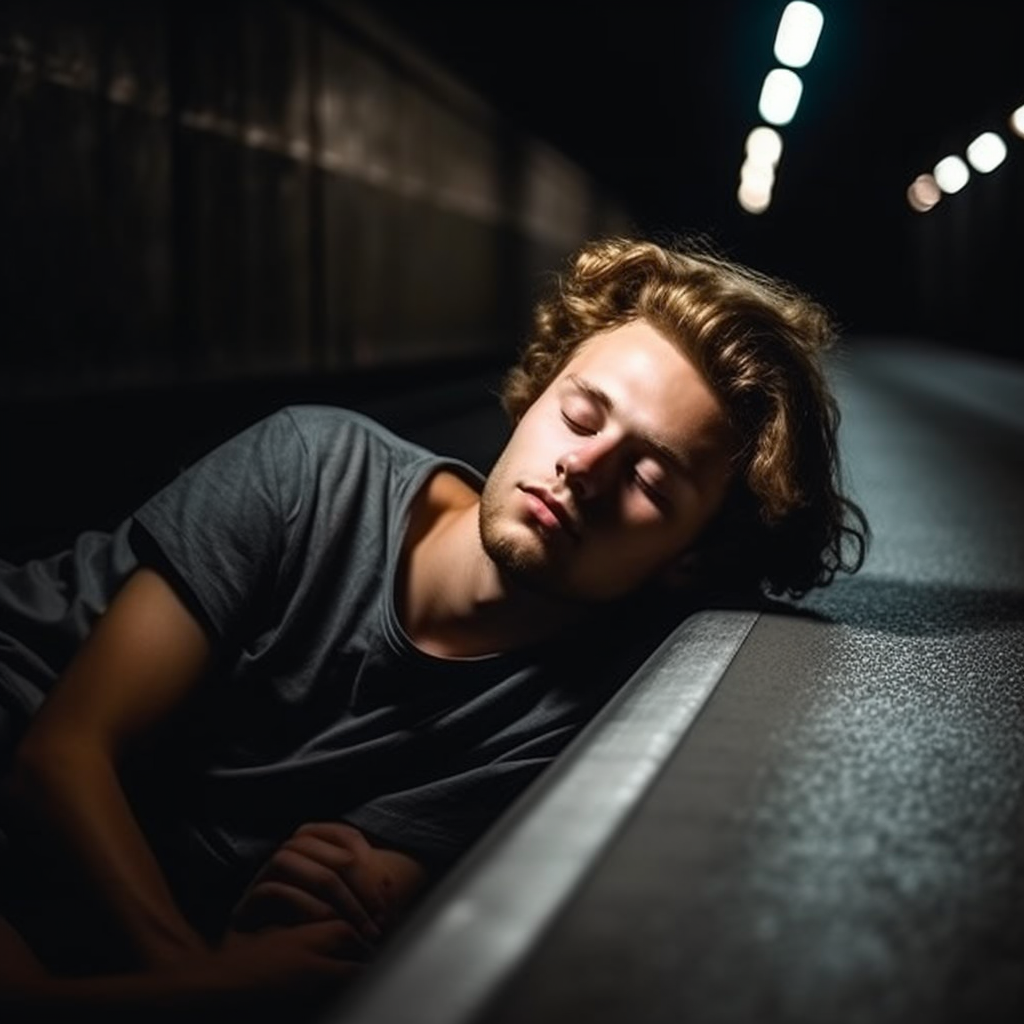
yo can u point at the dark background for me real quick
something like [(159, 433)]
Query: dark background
[(196, 190), (656, 99), (207, 210)]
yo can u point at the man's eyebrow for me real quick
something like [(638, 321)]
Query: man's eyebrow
[(603, 399)]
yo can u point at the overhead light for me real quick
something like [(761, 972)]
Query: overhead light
[(764, 145), (761, 176), (797, 37), (1017, 121), (986, 152), (780, 96), (951, 173), (754, 195), (923, 193)]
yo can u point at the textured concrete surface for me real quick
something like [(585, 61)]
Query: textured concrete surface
[(840, 837)]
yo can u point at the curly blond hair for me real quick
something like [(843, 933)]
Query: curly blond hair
[(758, 342)]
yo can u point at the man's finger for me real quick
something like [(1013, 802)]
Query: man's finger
[(276, 903), (336, 882)]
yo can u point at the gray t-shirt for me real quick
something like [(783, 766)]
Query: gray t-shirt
[(284, 542)]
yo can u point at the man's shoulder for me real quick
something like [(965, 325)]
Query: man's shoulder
[(335, 440), (317, 424), (338, 441), (324, 417)]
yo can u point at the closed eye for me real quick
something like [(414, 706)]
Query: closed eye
[(577, 426), (651, 490)]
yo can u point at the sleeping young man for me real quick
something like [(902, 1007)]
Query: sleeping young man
[(250, 726)]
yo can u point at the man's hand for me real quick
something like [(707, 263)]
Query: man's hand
[(308, 959), (330, 871)]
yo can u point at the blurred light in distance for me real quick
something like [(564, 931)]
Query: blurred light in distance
[(764, 145), (799, 29), (761, 175), (951, 173), (986, 152), (1017, 121), (780, 96), (756, 183), (923, 193), (753, 197)]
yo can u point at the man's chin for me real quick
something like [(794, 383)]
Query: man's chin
[(532, 571)]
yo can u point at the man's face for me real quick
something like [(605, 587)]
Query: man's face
[(611, 474)]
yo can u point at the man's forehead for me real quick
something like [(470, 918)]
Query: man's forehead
[(649, 382), (619, 347)]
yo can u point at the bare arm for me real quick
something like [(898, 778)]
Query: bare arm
[(143, 657), (305, 928)]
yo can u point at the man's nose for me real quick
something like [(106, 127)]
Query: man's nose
[(588, 466)]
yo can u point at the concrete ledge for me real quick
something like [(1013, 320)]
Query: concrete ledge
[(481, 921)]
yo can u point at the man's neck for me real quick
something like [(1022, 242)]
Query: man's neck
[(452, 600)]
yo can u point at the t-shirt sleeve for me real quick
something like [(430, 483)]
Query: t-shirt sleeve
[(217, 531)]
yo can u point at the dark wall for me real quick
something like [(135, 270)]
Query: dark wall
[(211, 210), (968, 262), (212, 191)]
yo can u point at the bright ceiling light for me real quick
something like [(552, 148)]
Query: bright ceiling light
[(756, 183), (923, 193), (764, 145), (780, 96), (952, 174), (1017, 121), (986, 152), (799, 29), (754, 196), (760, 175)]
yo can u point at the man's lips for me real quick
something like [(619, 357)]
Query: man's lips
[(564, 517)]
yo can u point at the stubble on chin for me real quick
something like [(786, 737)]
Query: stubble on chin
[(501, 547), (519, 557)]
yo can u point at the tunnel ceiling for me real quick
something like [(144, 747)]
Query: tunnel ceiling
[(656, 99)]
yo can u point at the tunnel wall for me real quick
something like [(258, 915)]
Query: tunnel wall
[(195, 192), (967, 257), (211, 211)]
